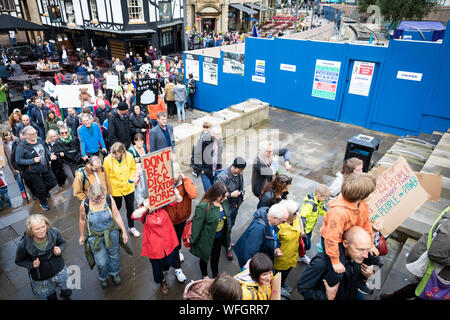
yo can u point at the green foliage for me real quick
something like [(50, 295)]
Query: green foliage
[(398, 10)]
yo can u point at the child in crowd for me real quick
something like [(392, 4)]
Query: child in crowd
[(4, 191), (313, 206), (348, 209)]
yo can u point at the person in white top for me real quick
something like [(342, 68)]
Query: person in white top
[(351, 165)]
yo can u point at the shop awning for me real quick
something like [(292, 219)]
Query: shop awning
[(257, 6), (243, 8)]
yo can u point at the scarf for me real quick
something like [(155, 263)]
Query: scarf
[(68, 140)]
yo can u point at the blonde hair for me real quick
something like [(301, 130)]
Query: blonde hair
[(118, 147), (323, 191), (51, 133), (358, 186), (34, 219)]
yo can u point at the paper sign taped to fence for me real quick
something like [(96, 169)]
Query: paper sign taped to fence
[(432, 183), (158, 173), (398, 195)]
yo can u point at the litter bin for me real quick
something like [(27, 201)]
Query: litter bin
[(362, 147)]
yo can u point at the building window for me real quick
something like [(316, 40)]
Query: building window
[(45, 5), (70, 13), (166, 39), (93, 6), (7, 5), (135, 10)]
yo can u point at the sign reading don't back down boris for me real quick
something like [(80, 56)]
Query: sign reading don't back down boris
[(398, 195)]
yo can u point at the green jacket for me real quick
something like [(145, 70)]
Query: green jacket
[(204, 225), (310, 211), (98, 236)]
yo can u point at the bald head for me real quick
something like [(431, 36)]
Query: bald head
[(357, 243)]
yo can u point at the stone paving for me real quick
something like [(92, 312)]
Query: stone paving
[(317, 146)]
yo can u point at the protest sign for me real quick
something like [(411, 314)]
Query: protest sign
[(69, 96), (432, 183), (50, 88), (2, 156), (276, 287), (398, 195), (146, 91), (158, 173), (112, 81)]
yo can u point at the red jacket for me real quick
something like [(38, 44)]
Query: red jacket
[(159, 237), (58, 80)]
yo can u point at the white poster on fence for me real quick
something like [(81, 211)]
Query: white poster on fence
[(193, 66), (210, 70), (361, 80), (326, 76), (75, 96)]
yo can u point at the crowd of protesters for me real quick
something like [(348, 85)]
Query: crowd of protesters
[(97, 150)]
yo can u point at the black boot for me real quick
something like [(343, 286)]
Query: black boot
[(66, 293), (407, 292), (53, 296)]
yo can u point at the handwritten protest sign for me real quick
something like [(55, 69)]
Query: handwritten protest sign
[(2, 156), (398, 195), (158, 173), (69, 96), (146, 91), (112, 81)]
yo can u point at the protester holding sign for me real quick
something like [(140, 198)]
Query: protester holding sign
[(120, 168)]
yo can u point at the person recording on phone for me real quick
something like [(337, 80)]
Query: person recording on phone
[(233, 178)]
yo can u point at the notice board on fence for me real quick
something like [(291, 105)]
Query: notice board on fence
[(158, 173), (398, 195)]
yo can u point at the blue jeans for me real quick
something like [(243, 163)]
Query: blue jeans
[(107, 260), (308, 241), (233, 212), (20, 182), (180, 110), (4, 196), (207, 182)]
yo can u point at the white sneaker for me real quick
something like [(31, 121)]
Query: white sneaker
[(134, 232), (305, 259), (181, 256), (180, 275)]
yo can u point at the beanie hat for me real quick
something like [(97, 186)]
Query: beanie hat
[(122, 106)]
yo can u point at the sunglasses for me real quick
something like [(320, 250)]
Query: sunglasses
[(64, 132)]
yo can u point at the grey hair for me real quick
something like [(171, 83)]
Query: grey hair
[(86, 115), (34, 219), (263, 148), (290, 205), (27, 129), (277, 211), (96, 191)]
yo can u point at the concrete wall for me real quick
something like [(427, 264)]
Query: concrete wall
[(393, 105)]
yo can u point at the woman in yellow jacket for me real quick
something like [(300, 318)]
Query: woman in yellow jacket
[(256, 277), (120, 168), (288, 236)]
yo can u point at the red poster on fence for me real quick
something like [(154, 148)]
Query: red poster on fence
[(158, 172)]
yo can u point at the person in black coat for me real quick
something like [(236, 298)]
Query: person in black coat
[(73, 121), (67, 148), (318, 283), (40, 252), (139, 123), (119, 126)]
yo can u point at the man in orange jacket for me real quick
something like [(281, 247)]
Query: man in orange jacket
[(153, 110)]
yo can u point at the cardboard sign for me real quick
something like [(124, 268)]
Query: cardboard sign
[(112, 81), (432, 183), (158, 173), (146, 91), (2, 156), (398, 195), (69, 96), (276, 287)]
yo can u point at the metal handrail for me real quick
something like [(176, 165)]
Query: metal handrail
[(407, 152), (418, 140)]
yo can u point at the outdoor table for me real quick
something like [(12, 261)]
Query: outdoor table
[(24, 78), (49, 72), (28, 65)]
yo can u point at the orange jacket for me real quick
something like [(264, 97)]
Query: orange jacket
[(341, 216), (181, 211), (153, 109)]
